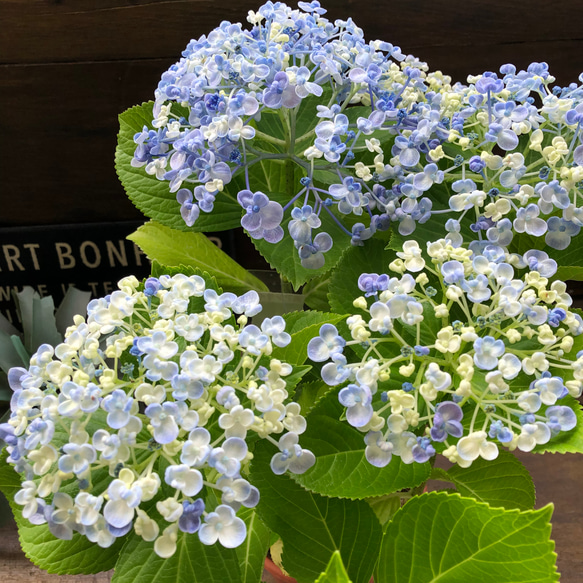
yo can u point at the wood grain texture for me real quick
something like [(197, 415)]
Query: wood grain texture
[(69, 67), (79, 30)]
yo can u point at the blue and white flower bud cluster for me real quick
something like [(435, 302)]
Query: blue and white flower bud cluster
[(460, 352), (145, 408), (389, 141)]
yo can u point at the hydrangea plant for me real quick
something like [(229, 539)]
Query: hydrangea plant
[(176, 434), (324, 139), (147, 402), (458, 349)]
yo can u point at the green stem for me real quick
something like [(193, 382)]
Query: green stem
[(270, 139)]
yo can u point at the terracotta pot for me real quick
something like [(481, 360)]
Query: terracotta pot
[(280, 298), (272, 573)]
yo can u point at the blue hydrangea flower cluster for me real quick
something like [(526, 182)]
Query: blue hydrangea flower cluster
[(387, 141), (459, 353), (145, 408)]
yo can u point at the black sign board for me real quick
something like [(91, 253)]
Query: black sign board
[(92, 257)]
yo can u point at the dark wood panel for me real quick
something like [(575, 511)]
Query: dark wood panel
[(62, 125), (37, 31), (565, 58)]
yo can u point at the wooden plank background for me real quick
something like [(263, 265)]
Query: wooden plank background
[(69, 67)]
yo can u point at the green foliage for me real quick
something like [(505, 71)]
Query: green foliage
[(64, 557), (153, 196), (313, 527), (171, 247), (309, 393), (341, 468), (303, 326), (385, 507), (316, 293), (292, 380), (343, 287), (503, 482), (251, 554), (335, 571), (567, 441), (444, 538), (192, 561)]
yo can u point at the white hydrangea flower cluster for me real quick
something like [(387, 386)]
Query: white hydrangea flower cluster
[(144, 410), (459, 353)]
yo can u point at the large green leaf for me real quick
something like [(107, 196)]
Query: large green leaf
[(192, 562), (293, 379), (316, 293), (313, 527), (302, 329), (284, 257), (309, 393), (503, 482), (343, 288), (64, 557), (341, 468), (252, 552), (569, 260), (566, 441), (444, 538), (153, 196), (335, 571), (171, 247)]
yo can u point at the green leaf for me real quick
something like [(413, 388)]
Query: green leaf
[(385, 507), (566, 441), (444, 538), (171, 247), (298, 321), (302, 329), (343, 288), (313, 527), (309, 393), (9, 355), (572, 272), (335, 571), (570, 260), (211, 283), (503, 482), (192, 562), (316, 293), (284, 256), (64, 557), (153, 196), (341, 468), (252, 552), (293, 379)]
